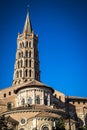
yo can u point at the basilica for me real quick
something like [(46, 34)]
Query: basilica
[(30, 104)]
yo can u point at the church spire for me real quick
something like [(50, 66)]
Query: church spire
[(27, 58), (27, 25)]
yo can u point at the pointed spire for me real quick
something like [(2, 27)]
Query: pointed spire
[(27, 26)]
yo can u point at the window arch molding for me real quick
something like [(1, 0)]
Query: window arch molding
[(45, 127)]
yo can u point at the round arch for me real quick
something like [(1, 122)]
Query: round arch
[(45, 126)]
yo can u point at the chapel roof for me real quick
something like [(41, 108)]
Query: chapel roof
[(33, 83)]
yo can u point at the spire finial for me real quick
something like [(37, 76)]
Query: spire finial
[(27, 26), (28, 6)]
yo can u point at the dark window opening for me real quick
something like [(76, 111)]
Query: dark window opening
[(4, 94), (9, 105), (29, 44), (45, 101), (26, 73), (21, 54), (29, 73), (78, 102), (17, 74), (30, 54), (20, 73), (23, 102), (9, 93), (83, 102), (26, 63), (30, 63), (21, 63), (73, 102), (26, 43), (26, 54), (45, 128), (37, 100)]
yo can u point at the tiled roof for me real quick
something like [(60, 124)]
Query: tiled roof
[(36, 108), (10, 119), (76, 98), (46, 114), (31, 84)]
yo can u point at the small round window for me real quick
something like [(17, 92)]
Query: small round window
[(23, 121)]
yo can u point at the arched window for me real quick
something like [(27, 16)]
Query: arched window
[(21, 63), (26, 43), (29, 63), (29, 73), (4, 95), (37, 100), (30, 44), (26, 63), (23, 102), (29, 53), (21, 54), (30, 100), (9, 105), (9, 93), (20, 73), (45, 101), (18, 64), (17, 74), (26, 54), (45, 128), (26, 73)]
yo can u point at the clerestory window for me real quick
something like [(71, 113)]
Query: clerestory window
[(30, 100), (23, 102), (37, 100)]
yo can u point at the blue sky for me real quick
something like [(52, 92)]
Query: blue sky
[(62, 29)]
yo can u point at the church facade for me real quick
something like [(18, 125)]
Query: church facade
[(30, 104)]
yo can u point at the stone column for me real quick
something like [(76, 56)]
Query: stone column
[(25, 97), (48, 99), (43, 97), (33, 96)]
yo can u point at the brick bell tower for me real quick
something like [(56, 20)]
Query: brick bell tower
[(27, 60)]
